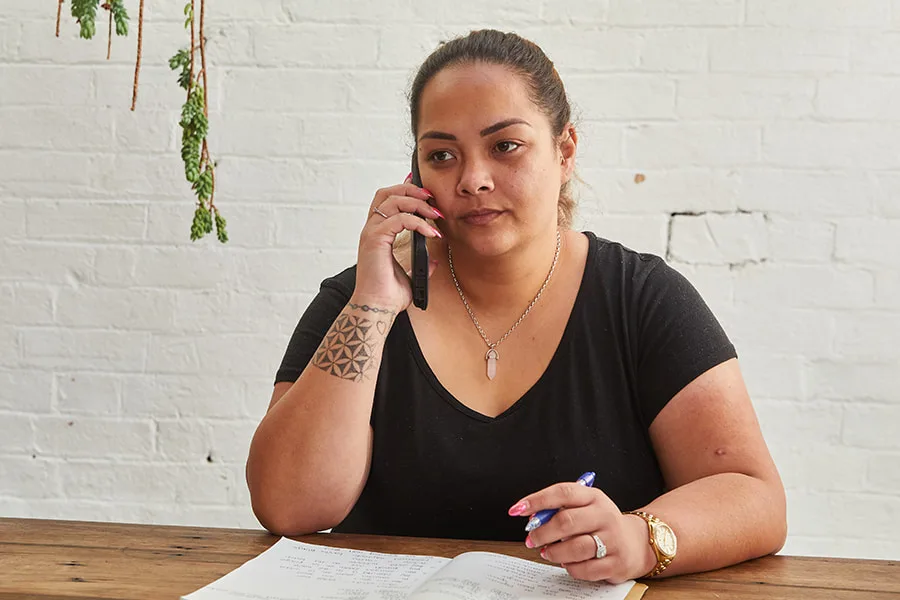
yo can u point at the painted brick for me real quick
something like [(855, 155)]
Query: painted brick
[(685, 50), (83, 349), (25, 390), (803, 287), (871, 426), (84, 437), (779, 51), (871, 241), (719, 239), (801, 193), (88, 393), (167, 396), (799, 240), (742, 97), (55, 220), (689, 144), (27, 304), (689, 12), (834, 14)]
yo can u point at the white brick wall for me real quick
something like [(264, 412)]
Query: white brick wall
[(135, 364)]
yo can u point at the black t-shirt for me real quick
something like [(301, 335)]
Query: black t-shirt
[(639, 332)]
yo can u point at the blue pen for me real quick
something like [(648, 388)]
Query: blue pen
[(542, 516)]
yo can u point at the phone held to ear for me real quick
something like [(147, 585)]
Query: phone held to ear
[(419, 273)]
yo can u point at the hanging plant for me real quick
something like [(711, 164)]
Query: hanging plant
[(199, 168)]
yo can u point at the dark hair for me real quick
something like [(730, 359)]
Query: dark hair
[(522, 56)]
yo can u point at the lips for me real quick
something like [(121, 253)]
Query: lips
[(481, 216)]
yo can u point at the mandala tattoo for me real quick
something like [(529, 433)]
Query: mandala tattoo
[(349, 348)]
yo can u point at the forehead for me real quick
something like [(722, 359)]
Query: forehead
[(474, 96)]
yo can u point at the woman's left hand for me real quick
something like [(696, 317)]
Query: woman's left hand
[(567, 540)]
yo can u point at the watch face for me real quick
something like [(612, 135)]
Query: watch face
[(665, 539)]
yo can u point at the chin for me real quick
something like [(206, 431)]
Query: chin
[(490, 241)]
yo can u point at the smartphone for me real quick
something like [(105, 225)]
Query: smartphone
[(419, 274)]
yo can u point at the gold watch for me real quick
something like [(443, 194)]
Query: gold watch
[(662, 540)]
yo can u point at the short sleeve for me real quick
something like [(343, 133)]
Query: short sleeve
[(678, 337), (333, 296)]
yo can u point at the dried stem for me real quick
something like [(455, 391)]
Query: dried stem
[(58, 15), (205, 153), (193, 45), (109, 43), (203, 58), (137, 64)]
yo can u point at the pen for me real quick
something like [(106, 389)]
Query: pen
[(542, 516)]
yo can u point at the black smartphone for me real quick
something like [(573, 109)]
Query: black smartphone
[(419, 273)]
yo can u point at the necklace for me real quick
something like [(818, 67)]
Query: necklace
[(492, 356)]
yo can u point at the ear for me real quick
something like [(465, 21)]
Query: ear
[(567, 145)]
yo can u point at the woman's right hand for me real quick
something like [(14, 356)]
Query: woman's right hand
[(379, 277)]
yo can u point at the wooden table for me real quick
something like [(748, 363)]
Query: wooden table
[(56, 560)]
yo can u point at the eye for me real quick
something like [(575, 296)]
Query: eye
[(440, 156), (504, 147)]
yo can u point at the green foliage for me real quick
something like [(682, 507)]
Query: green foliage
[(194, 126), (85, 12), (220, 228), (203, 223), (189, 15), (182, 60), (199, 169), (120, 16)]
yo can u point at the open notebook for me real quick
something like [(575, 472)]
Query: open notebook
[(292, 570)]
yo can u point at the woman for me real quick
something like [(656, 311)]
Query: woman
[(544, 353)]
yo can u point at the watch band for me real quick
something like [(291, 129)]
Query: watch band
[(662, 561)]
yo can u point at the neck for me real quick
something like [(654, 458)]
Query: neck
[(505, 284)]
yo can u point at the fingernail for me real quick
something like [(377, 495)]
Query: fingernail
[(518, 509), (528, 542), (430, 195), (544, 553), (408, 177), (437, 212), (437, 233)]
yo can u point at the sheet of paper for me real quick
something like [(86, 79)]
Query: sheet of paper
[(488, 576), (291, 570)]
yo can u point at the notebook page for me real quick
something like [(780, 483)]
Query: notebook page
[(485, 575), (291, 570)]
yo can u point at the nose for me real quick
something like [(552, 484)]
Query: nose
[(475, 178)]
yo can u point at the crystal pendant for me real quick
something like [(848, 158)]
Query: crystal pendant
[(491, 358)]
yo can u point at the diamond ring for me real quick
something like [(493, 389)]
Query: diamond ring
[(377, 211), (601, 547)]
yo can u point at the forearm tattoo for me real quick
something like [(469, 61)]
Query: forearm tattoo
[(350, 347)]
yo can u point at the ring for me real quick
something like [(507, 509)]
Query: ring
[(377, 211), (601, 547)]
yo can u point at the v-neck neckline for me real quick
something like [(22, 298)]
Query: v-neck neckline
[(568, 332)]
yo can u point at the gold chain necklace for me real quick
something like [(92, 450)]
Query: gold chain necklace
[(492, 356)]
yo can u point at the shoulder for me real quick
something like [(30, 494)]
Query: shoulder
[(613, 263), (343, 283)]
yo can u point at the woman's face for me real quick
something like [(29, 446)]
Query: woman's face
[(488, 155)]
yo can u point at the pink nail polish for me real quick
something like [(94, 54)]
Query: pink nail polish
[(528, 542), (518, 509), (544, 553), (437, 212), (408, 177), (430, 195), (438, 233)]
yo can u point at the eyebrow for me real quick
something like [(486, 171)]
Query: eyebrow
[(440, 135)]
